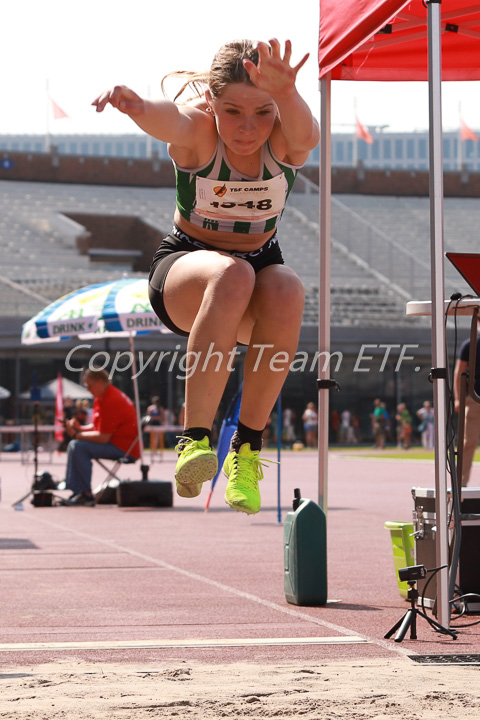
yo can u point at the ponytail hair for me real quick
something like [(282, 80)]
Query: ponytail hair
[(227, 68)]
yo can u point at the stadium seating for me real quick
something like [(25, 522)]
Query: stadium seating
[(380, 246)]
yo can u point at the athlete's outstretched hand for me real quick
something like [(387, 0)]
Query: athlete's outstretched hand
[(123, 99), (274, 74)]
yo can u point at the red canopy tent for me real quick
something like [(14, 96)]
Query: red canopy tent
[(397, 40), (387, 40)]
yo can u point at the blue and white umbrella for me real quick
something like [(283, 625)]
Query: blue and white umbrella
[(120, 308)]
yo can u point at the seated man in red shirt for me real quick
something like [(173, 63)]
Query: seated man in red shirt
[(111, 435)]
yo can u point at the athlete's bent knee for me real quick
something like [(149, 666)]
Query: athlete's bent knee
[(234, 279), (286, 295)]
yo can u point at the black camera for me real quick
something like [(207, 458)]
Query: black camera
[(43, 482), (413, 573)]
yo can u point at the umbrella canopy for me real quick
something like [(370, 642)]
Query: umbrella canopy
[(120, 307), (387, 40), (48, 391)]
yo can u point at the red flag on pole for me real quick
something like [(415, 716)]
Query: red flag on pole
[(466, 133), (59, 409), (363, 133), (58, 113)]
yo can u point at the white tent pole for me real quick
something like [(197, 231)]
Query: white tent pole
[(459, 139), (324, 288), (137, 398), (438, 296)]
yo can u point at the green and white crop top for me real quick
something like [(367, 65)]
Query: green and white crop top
[(218, 197)]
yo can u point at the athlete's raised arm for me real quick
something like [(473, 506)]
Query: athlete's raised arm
[(182, 126), (277, 77)]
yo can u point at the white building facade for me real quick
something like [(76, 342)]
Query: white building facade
[(388, 150)]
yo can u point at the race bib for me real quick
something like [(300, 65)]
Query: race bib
[(245, 201)]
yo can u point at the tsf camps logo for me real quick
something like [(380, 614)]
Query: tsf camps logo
[(220, 190)]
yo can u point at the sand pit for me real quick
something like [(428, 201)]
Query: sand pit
[(361, 690)]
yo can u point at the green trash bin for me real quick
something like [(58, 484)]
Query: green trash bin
[(403, 544)]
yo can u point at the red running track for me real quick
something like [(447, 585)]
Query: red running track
[(141, 585)]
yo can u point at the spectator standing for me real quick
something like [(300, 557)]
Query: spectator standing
[(378, 423), (68, 412), (426, 427), (472, 409), (346, 430), (288, 425), (155, 419), (404, 426), (387, 423), (310, 424)]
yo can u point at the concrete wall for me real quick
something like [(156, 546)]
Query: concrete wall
[(366, 181), (44, 167)]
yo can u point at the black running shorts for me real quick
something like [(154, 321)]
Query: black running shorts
[(178, 243)]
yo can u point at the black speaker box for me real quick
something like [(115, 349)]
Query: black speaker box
[(106, 495), (469, 565), (145, 493), (42, 499)]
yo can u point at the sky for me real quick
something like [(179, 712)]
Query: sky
[(77, 50)]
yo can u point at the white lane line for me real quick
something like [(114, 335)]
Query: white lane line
[(193, 643)]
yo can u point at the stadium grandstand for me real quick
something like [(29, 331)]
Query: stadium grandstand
[(58, 236)]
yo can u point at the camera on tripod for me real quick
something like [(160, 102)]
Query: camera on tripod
[(44, 481), (413, 573), (409, 620), (42, 487)]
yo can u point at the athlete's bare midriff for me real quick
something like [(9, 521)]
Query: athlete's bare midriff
[(222, 240)]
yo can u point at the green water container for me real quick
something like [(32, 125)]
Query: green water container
[(305, 553)]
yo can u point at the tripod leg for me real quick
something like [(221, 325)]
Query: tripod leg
[(413, 625), (18, 502), (407, 622), (437, 625), (394, 628)]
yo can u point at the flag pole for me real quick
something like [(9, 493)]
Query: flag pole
[(355, 136), (47, 104), (59, 412), (149, 137)]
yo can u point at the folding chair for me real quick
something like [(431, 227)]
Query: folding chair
[(131, 493), (106, 492)]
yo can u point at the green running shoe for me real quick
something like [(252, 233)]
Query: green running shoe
[(243, 470), (196, 464)]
